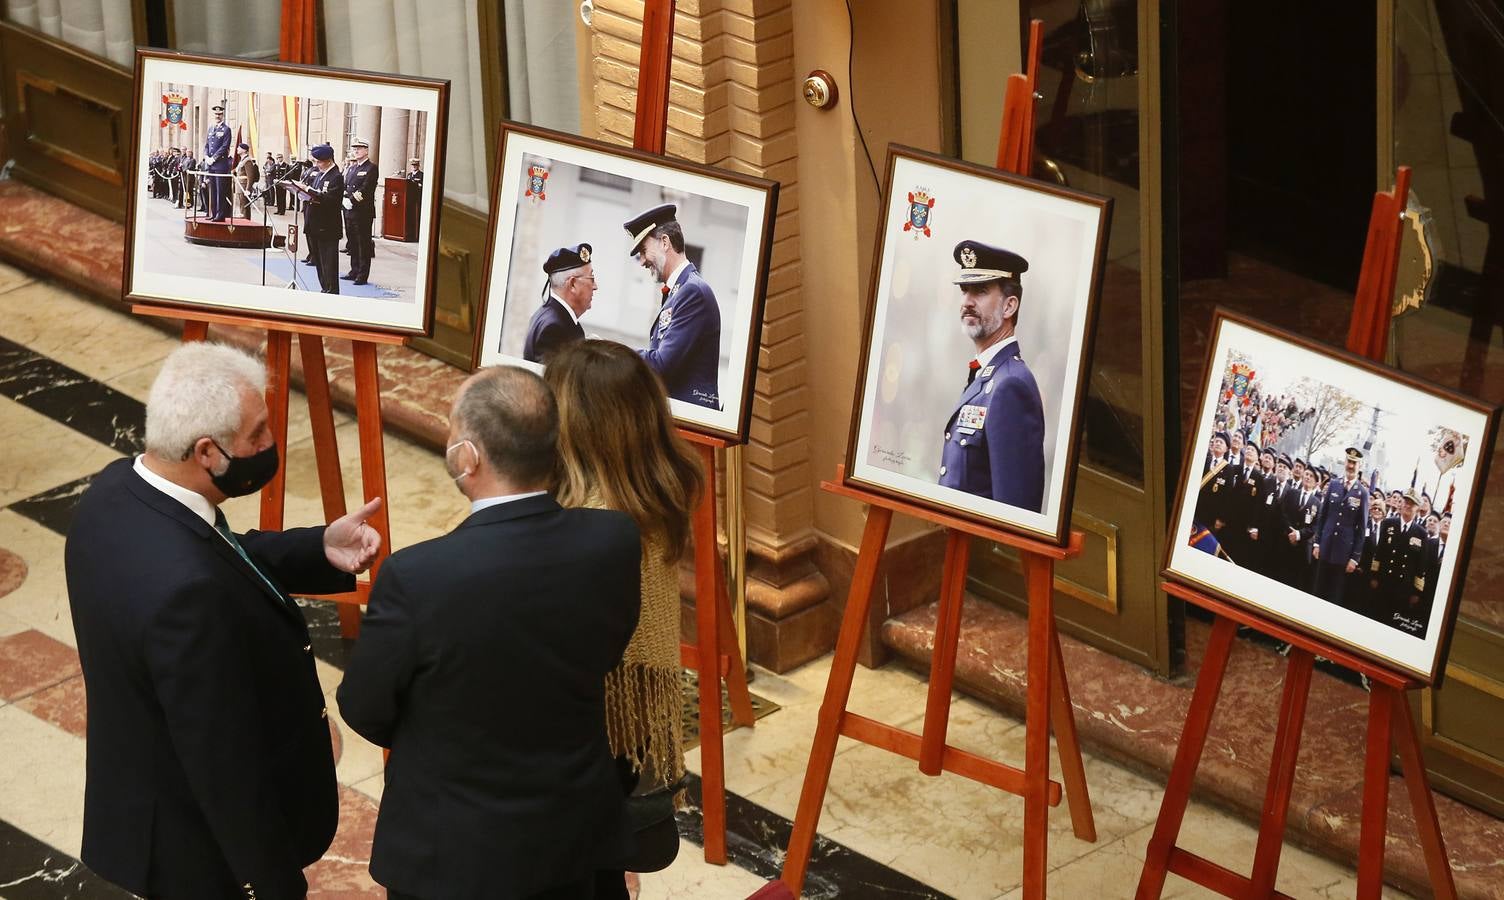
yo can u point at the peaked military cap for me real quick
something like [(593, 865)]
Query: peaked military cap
[(566, 258), (1284, 460), (1220, 436), (359, 142), (981, 263), (640, 226), (217, 108), (1354, 453), (1411, 497), (322, 151)]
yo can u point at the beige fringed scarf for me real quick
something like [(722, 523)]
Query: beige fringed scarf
[(644, 699)]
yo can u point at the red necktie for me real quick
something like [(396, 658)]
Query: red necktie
[(971, 371)]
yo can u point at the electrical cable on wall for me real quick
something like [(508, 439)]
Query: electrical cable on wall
[(851, 86)]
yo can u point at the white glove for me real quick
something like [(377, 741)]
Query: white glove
[(347, 204), (359, 196)]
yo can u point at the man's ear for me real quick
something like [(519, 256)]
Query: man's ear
[(1010, 306)]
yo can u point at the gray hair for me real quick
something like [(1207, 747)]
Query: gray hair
[(197, 394), (510, 414), (557, 280)]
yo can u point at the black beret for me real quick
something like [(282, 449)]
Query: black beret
[(322, 151), (243, 146), (641, 225), (981, 263), (566, 258)]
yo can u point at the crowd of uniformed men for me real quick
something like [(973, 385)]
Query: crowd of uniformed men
[(1330, 534)]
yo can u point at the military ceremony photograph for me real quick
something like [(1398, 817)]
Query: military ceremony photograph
[(665, 258), (1314, 478), (262, 190), (979, 320)]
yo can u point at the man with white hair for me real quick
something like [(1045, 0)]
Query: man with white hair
[(571, 288), (210, 772)]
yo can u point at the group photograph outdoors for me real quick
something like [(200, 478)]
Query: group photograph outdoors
[(1314, 479), (263, 190)]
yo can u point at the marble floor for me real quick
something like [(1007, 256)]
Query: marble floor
[(73, 378)]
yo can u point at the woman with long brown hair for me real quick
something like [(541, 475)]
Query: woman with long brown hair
[(619, 450)]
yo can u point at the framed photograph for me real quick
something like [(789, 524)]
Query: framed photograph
[(974, 361), (294, 193), (1331, 493), (670, 258)]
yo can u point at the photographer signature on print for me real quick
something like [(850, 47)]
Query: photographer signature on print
[(1302, 480), (973, 366), (662, 258)]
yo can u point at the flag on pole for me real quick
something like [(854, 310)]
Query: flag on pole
[(255, 132), (290, 119)]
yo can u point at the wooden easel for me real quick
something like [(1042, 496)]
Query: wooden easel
[(1048, 699), (1389, 721), (715, 636), (321, 418), (299, 45)]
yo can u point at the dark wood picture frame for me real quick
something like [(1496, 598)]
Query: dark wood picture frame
[(753, 310), (1076, 381), (433, 183), (1480, 451)]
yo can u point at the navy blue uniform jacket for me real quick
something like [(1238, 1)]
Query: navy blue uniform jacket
[(209, 761), (684, 347), (323, 215), (217, 148), (1004, 457), (1344, 517), (550, 328), (481, 664)]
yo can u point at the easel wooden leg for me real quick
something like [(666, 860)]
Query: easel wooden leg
[(943, 657), (737, 694), (326, 451), (707, 638), (1039, 578), (1292, 716), (372, 448), (1375, 795), (1421, 801), (278, 359), (1072, 771), (822, 753), (1198, 722)]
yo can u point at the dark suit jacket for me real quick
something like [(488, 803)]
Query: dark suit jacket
[(1003, 457), (684, 347), (550, 328), (481, 664), (322, 216), (209, 760), (361, 178)]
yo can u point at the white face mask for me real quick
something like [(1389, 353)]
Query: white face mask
[(450, 449)]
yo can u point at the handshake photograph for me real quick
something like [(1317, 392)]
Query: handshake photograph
[(266, 189)]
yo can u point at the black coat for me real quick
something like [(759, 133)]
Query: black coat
[(550, 328), (323, 215), (481, 664), (209, 760)]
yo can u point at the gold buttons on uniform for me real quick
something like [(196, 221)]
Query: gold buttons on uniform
[(942, 470)]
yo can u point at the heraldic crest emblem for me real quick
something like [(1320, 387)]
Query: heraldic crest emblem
[(537, 182), (172, 111), (920, 206)]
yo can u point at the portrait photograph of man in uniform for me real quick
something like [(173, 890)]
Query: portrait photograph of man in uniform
[(641, 255), (973, 365), (251, 238)]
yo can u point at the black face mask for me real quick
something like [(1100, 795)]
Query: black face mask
[(245, 474)]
